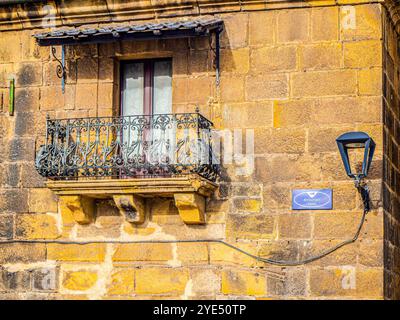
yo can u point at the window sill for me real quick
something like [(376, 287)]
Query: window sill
[(77, 197)]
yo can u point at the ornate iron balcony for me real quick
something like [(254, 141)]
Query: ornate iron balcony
[(130, 146)]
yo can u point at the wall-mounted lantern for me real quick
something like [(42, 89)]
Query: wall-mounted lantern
[(357, 140)]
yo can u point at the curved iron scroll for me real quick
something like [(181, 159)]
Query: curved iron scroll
[(60, 70)]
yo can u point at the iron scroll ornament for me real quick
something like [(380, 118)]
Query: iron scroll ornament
[(60, 69)]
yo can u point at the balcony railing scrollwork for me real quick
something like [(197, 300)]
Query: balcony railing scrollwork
[(128, 146)]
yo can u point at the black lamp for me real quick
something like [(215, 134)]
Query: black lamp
[(356, 140)]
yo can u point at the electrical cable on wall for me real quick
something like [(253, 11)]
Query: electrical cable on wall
[(362, 188)]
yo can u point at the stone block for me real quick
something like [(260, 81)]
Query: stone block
[(76, 252), (232, 88), (363, 54), (243, 283), (45, 279), (26, 99), (323, 139), (267, 86), (347, 281), (51, 98), (191, 207), (205, 282), (29, 74), (325, 24), (21, 149), (235, 33), (271, 59), (79, 208), (79, 280), (146, 252), (42, 200), (370, 81), (6, 226), (86, 96), (223, 255), (262, 27), (247, 205), (14, 200), (336, 225), (295, 226), (161, 280), (192, 253), (22, 253), (251, 226), (292, 284), (235, 61), (279, 140), (293, 25), (361, 22), (14, 280), (320, 56), (122, 282), (36, 226), (324, 83)]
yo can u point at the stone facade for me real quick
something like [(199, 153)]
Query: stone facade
[(299, 73)]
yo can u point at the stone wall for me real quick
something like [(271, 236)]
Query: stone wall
[(391, 159), (298, 77)]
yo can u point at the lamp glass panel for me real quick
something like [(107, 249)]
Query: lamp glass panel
[(356, 158)]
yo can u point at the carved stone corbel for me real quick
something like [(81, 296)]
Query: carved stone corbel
[(191, 207), (132, 207), (80, 208)]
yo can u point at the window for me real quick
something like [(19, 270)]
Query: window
[(146, 87)]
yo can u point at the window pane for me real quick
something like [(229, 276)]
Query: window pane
[(162, 87), (133, 89)]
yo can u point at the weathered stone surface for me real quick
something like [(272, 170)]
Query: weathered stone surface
[(122, 282), (148, 252), (45, 279), (75, 252), (295, 226), (321, 56), (161, 280), (42, 200), (270, 59), (192, 253), (346, 281), (6, 226), (238, 282), (14, 200), (262, 27), (325, 24), (293, 25), (363, 54), (79, 280), (367, 19), (36, 226), (294, 283), (267, 86), (326, 83), (15, 281), (22, 253), (251, 226)]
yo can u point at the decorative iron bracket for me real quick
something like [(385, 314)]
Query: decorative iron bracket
[(217, 54), (61, 70)]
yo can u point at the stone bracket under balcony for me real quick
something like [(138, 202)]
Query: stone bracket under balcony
[(77, 197)]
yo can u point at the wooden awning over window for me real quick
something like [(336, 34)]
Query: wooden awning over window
[(146, 31)]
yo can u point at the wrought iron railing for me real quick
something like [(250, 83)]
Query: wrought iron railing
[(129, 146)]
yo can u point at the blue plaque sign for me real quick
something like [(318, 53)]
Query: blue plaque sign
[(312, 199)]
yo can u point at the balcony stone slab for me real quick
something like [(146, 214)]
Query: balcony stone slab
[(189, 192)]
